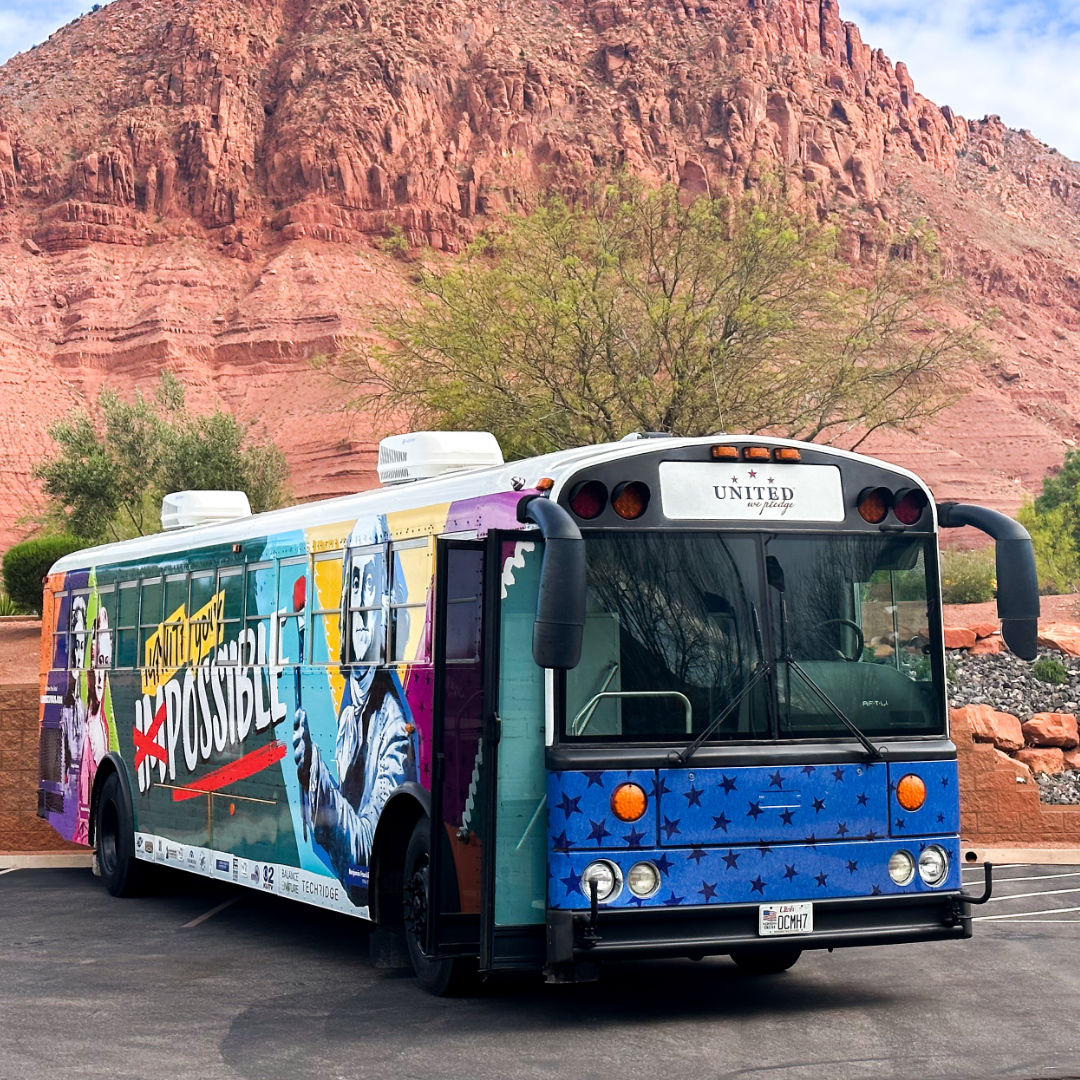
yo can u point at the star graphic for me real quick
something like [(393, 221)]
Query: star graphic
[(660, 788), (663, 864), (941, 819), (758, 886), (697, 854), (871, 835), (790, 872), (808, 770), (876, 890), (862, 799), (776, 780), (899, 823), (764, 849), (786, 816), (599, 831), (569, 806), (633, 838), (734, 479), (752, 474), (811, 841), (595, 776), (821, 879), (772, 480), (841, 829), (728, 784), (673, 899), (944, 781), (670, 827), (693, 796), (755, 811), (707, 891), (819, 805), (838, 774), (560, 842), (852, 866), (732, 860), (721, 822), (571, 881), (637, 901)]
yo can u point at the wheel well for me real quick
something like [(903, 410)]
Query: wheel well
[(396, 824), (105, 769)]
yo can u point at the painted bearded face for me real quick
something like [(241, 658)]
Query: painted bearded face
[(100, 656), (77, 625), (363, 624)]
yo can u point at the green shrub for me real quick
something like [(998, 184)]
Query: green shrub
[(26, 564), (967, 577), (7, 605), (1049, 669)]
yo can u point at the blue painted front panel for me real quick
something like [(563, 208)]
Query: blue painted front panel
[(940, 814)]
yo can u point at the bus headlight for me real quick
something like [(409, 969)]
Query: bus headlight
[(933, 865), (643, 879), (901, 867), (608, 878)]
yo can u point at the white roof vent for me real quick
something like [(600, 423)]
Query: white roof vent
[(421, 455), (182, 509)]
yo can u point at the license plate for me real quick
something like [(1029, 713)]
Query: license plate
[(778, 920)]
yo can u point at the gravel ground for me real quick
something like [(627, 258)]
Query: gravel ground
[(1007, 684)]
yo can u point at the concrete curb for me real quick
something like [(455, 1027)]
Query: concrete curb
[(46, 862)]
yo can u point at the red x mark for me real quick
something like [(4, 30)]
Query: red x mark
[(146, 745)]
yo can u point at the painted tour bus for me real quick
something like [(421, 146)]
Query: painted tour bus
[(660, 697)]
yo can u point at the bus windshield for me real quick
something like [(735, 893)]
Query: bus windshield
[(755, 637)]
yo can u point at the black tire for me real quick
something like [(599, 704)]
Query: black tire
[(445, 978), (114, 838), (765, 961)]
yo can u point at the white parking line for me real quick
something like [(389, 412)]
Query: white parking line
[(1025, 914), (9, 870), (1025, 895), (209, 914), (1036, 877)]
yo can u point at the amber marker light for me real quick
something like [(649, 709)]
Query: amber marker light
[(874, 504), (630, 500), (755, 453), (786, 453), (628, 802), (911, 792), (725, 453), (545, 484)]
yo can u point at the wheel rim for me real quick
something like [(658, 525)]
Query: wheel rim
[(415, 902)]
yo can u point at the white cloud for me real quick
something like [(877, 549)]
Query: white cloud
[(1017, 58)]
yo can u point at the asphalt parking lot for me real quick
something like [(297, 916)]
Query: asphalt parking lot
[(205, 981)]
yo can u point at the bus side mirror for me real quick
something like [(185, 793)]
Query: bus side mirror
[(1017, 581), (560, 603)]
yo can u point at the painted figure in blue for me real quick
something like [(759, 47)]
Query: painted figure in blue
[(373, 752)]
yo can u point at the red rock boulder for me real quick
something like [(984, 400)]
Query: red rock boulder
[(988, 725), (959, 637), (1046, 759), (987, 646), (1051, 729), (1065, 637), (984, 629)]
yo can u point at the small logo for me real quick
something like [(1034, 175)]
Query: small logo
[(221, 865)]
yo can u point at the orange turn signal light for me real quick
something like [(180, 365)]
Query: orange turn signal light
[(874, 504), (786, 453), (755, 453), (911, 792), (725, 453), (630, 500), (628, 802)]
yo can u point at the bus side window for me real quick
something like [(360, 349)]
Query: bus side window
[(106, 649), (151, 610), (231, 583), (261, 590), (62, 614), (410, 581), (291, 573), (176, 598), (127, 625), (324, 641)]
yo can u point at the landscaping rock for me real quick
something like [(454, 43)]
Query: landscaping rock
[(1051, 729), (1045, 759)]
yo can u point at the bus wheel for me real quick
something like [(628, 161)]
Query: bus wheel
[(765, 961), (114, 835), (443, 977)]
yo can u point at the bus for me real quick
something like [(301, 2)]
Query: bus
[(663, 697)]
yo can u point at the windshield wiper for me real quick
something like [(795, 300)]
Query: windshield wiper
[(873, 752), (681, 757)]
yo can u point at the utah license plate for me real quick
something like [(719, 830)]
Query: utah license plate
[(776, 920)]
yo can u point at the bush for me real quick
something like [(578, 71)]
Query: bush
[(1049, 669), (26, 564), (967, 577)]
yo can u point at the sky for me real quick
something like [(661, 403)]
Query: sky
[(1019, 59)]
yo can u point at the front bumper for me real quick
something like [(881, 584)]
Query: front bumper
[(702, 931)]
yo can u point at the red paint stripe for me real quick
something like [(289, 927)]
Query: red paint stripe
[(240, 769)]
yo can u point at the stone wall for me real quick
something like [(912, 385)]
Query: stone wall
[(21, 830)]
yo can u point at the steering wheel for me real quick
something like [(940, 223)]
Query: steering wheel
[(856, 630)]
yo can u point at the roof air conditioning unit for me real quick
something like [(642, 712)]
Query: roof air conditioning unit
[(422, 455), (183, 509)]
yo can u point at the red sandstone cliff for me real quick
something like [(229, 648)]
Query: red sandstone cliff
[(202, 186)]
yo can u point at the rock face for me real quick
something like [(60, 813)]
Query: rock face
[(203, 186)]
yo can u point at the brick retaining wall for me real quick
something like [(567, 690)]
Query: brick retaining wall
[(21, 830)]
